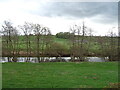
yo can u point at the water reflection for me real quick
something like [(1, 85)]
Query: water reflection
[(52, 59), (97, 59)]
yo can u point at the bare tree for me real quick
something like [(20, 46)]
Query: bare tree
[(15, 41), (72, 40), (37, 31), (77, 40), (108, 46), (10, 34), (27, 29), (90, 40), (42, 39), (46, 40), (113, 46)]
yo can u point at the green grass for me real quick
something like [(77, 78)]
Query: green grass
[(59, 75)]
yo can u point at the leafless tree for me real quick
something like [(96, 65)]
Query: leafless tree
[(46, 40), (108, 46), (27, 29), (42, 39), (77, 40), (72, 39), (10, 34), (113, 46), (37, 31), (90, 40)]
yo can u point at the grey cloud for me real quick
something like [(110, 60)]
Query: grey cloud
[(81, 10)]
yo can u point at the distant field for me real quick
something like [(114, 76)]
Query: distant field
[(65, 42), (22, 42), (59, 75)]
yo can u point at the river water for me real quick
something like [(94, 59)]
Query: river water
[(53, 59)]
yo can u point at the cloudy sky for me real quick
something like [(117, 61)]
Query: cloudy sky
[(59, 16)]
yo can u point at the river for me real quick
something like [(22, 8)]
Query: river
[(53, 59)]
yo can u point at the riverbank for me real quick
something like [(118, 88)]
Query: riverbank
[(33, 54), (59, 75)]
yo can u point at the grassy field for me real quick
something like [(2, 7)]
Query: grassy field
[(94, 46), (65, 42), (59, 75), (22, 40)]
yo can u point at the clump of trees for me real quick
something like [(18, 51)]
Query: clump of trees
[(108, 46), (38, 41), (64, 35), (77, 39), (41, 37)]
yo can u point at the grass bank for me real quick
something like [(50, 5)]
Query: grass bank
[(59, 75)]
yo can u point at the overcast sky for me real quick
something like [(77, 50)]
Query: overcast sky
[(59, 16)]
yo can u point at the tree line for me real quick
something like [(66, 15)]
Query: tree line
[(38, 41)]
